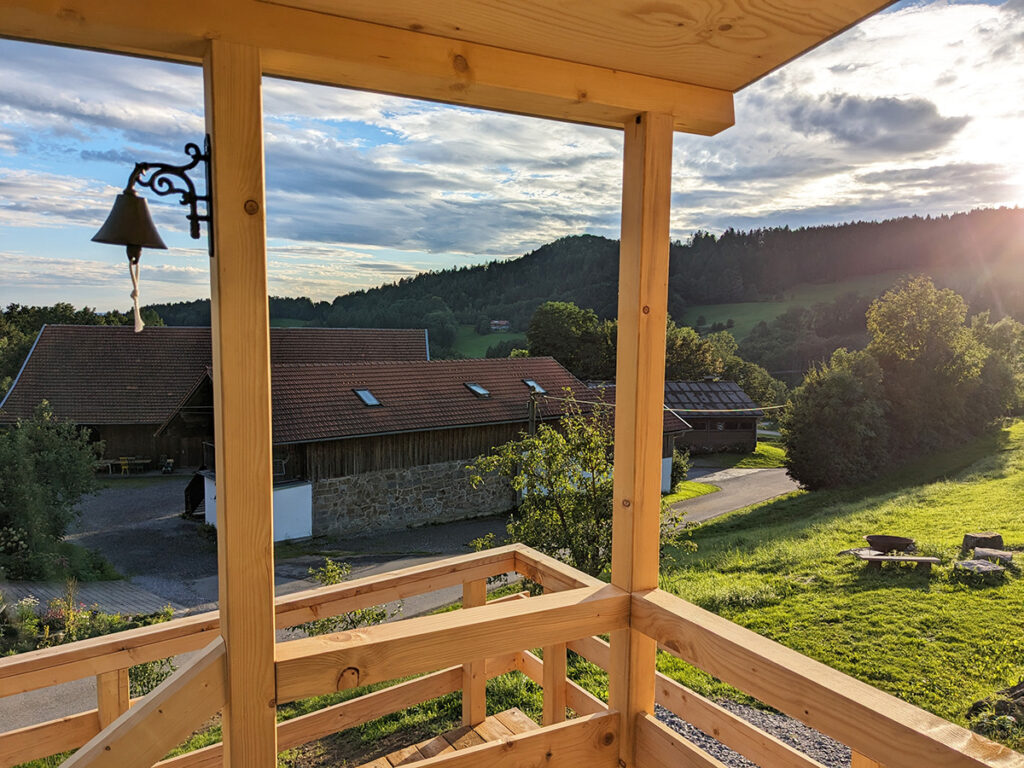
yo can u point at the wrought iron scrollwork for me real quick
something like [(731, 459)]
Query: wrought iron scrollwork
[(165, 179)]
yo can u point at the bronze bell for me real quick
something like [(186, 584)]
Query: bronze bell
[(130, 224)]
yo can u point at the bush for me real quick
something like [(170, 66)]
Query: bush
[(680, 466), (331, 573), (46, 466)]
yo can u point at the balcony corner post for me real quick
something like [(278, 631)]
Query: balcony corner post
[(640, 390)]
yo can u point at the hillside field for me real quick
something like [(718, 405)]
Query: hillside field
[(747, 314), (941, 640), (472, 344)]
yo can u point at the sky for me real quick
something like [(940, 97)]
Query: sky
[(917, 110)]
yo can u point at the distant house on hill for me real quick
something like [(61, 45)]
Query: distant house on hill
[(722, 415), (501, 326), (124, 385), (385, 445)]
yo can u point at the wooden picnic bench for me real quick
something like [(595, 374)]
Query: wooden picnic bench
[(875, 558)]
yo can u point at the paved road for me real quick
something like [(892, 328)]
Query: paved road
[(740, 488)]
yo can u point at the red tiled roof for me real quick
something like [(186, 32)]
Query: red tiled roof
[(112, 375), (318, 402)]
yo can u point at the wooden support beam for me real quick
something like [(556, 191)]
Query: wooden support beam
[(554, 681), (639, 403), (580, 700), (63, 663), (241, 387), (304, 45), (589, 741), (316, 665), (161, 720), (474, 681), (858, 760), (658, 746), (50, 738), (871, 722), (552, 574), (112, 695), (348, 714)]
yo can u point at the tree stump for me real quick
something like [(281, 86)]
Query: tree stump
[(988, 539)]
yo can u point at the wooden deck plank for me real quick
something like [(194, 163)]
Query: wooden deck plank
[(516, 721), (463, 737), (435, 746), (404, 756), (492, 729)]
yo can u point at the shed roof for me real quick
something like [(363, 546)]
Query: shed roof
[(709, 399), (102, 374)]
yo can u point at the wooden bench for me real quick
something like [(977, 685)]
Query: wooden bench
[(875, 560)]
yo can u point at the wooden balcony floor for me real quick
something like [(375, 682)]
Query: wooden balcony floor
[(494, 728)]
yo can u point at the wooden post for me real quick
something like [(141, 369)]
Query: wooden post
[(241, 385), (640, 393), (553, 682), (113, 696), (474, 677)]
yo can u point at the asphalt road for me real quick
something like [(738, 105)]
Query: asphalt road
[(740, 488)]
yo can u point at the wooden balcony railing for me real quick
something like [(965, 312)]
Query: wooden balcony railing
[(462, 650)]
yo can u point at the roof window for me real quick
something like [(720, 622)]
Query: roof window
[(533, 385), (476, 389), (366, 396)]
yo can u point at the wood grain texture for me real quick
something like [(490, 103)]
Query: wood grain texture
[(639, 402), (474, 681), (588, 741), (658, 746), (84, 658), (550, 573), (721, 43), (873, 723), (858, 760), (241, 387), (112, 695), (49, 738), (161, 720), (314, 665), (316, 47)]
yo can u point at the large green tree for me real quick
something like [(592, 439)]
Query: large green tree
[(46, 466), (835, 426)]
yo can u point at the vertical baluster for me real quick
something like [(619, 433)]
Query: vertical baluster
[(474, 678), (112, 696)]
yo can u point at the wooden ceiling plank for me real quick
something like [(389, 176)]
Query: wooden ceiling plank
[(315, 47)]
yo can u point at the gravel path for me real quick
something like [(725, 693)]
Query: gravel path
[(826, 751)]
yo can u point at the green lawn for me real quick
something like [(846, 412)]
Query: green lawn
[(472, 344), (689, 489), (765, 456), (938, 640)]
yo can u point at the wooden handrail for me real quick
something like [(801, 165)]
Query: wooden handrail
[(871, 722), (310, 666), (85, 658)]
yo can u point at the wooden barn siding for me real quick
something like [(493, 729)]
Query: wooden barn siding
[(138, 440), (339, 458)]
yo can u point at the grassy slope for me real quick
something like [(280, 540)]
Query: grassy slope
[(765, 456), (472, 344), (747, 314), (689, 489), (936, 640)]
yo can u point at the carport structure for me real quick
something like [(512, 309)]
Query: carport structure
[(646, 67)]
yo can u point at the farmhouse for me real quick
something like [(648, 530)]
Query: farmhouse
[(385, 445), (721, 415), (124, 385)]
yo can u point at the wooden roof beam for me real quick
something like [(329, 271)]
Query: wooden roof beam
[(316, 47)]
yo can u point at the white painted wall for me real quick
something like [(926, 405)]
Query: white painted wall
[(293, 508), (666, 475)]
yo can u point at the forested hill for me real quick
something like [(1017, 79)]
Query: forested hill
[(986, 245)]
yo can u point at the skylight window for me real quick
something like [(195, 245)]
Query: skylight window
[(535, 386), (366, 396), (476, 389)]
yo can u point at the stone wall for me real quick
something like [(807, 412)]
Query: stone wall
[(387, 500)]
